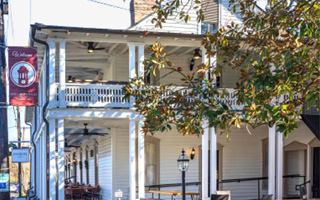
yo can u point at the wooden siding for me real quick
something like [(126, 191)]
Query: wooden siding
[(210, 11), (242, 158), (226, 14), (173, 23)]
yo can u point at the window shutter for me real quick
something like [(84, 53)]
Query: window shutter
[(210, 11)]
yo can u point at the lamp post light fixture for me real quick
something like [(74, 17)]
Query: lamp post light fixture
[(183, 164)]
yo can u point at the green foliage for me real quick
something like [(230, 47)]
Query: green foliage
[(277, 52)]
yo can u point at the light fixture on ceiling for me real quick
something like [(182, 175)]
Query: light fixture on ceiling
[(90, 47), (197, 54)]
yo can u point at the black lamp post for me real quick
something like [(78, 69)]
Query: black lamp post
[(183, 164)]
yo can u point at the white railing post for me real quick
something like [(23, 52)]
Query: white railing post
[(272, 160), (132, 159), (213, 161), (52, 62), (279, 165), (204, 167), (62, 75), (61, 164), (141, 160)]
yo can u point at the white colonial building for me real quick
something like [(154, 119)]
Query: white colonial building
[(88, 133)]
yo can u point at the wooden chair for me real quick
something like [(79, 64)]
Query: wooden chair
[(88, 194), (96, 192), (219, 197), (225, 192), (68, 193), (267, 197), (77, 194)]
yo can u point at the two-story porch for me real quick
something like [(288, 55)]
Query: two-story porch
[(85, 88)]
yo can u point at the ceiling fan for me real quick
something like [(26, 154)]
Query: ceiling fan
[(66, 145), (87, 133), (92, 48)]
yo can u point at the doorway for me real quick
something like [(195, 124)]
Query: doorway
[(316, 173)]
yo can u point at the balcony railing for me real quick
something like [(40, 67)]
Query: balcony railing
[(94, 95), (111, 96)]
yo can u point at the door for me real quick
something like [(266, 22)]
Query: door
[(316, 173)]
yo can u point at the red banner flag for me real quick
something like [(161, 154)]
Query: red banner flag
[(23, 76)]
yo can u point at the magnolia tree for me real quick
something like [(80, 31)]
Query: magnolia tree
[(277, 52)]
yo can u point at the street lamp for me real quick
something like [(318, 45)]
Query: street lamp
[(183, 164)]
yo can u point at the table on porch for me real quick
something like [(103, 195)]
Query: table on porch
[(174, 193), (79, 191)]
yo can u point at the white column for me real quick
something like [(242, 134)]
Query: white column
[(205, 60), (52, 160), (204, 170), (141, 160), (52, 62), (213, 161), (132, 159), (279, 165), (61, 163), (132, 66), (140, 61), (272, 161), (62, 74), (308, 186)]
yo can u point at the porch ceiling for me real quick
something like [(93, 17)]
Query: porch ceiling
[(74, 128), (109, 43)]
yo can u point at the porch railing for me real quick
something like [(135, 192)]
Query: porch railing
[(226, 181), (94, 95), (111, 96)]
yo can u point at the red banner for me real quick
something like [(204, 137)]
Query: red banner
[(23, 76)]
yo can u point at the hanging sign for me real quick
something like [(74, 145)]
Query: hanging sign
[(23, 76), (20, 155)]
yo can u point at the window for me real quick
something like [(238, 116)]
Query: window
[(265, 162), (208, 27), (152, 166)]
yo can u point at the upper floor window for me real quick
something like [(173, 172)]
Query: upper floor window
[(208, 27)]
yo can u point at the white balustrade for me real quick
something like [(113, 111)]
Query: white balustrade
[(95, 95), (111, 96)]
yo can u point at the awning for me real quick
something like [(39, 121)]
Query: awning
[(313, 122)]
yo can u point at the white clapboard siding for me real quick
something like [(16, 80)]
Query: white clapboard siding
[(242, 158), (121, 67), (226, 14), (121, 165), (105, 166), (172, 25), (294, 164)]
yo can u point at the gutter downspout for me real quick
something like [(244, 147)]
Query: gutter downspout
[(35, 151), (47, 101)]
